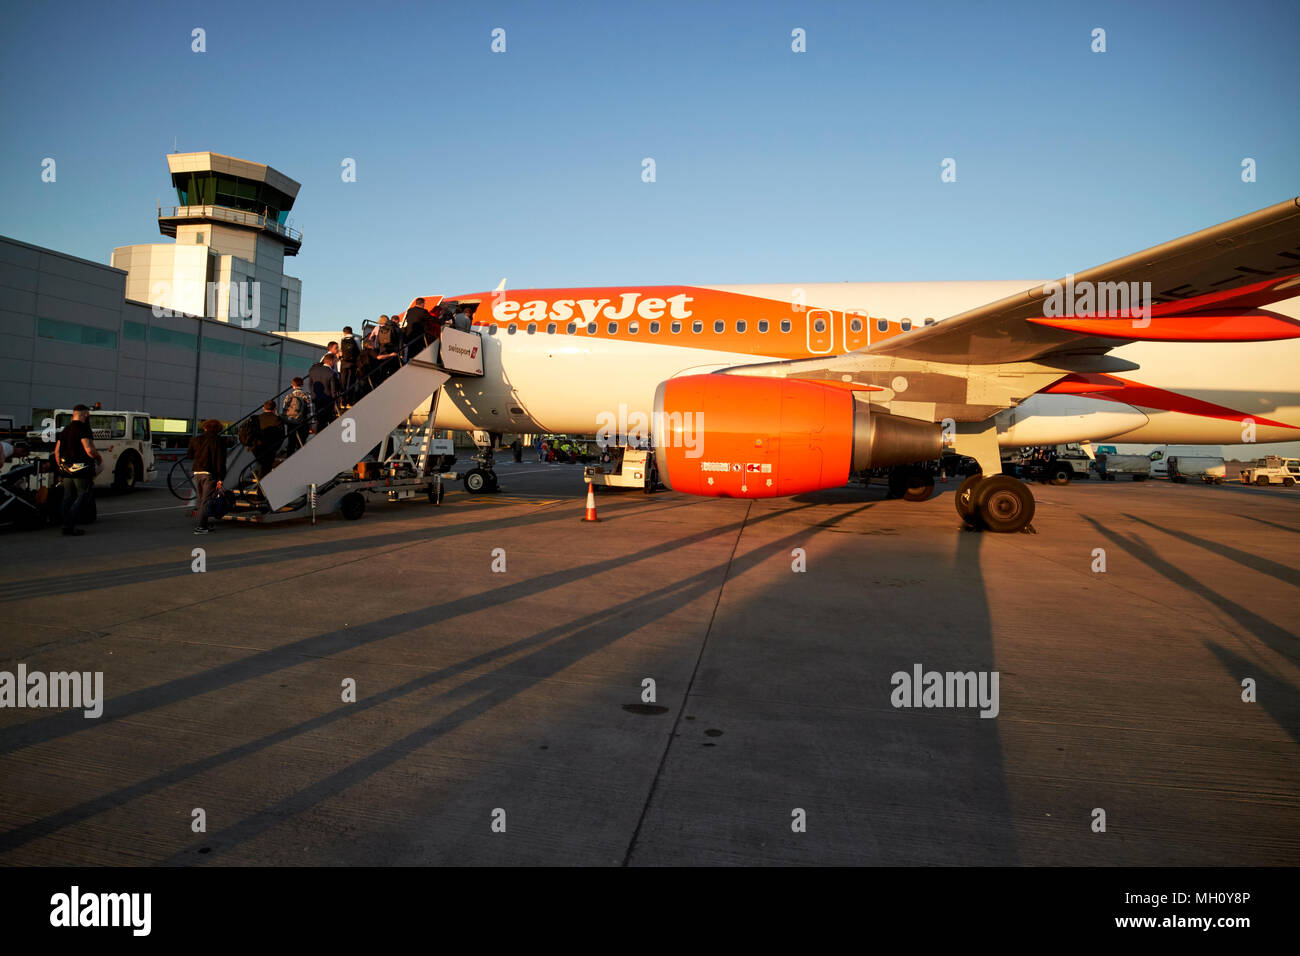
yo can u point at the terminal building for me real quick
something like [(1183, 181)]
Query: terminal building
[(199, 328)]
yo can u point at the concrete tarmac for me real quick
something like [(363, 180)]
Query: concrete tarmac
[(500, 649)]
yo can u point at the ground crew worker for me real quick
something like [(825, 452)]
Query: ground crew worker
[(76, 456)]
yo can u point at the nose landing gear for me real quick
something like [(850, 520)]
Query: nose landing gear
[(482, 480)]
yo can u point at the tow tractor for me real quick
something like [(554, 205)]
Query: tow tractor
[(631, 468), (1272, 470)]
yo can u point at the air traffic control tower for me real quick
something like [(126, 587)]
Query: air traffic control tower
[(232, 236)]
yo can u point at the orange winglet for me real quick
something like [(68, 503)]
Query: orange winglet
[(1252, 325)]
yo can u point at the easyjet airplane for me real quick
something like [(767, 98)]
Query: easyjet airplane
[(767, 390)]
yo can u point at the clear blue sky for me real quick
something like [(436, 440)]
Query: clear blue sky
[(772, 166)]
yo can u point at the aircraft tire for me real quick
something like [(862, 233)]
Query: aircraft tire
[(919, 485), (964, 501), (1005, 505)]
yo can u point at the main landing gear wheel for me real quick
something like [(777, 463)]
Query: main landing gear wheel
[(965, 500), (1004, 504), (911, 484)]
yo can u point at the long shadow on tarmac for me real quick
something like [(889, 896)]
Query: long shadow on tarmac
[(1247, 560), (1281, 641), (288, 555), (57, 725), (554, 650), (593, 632)]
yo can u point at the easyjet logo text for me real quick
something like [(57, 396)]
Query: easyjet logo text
[(589, 310)]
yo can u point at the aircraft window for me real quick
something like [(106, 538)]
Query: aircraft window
[(819, 325), (719, 326), (654, 328), (882, 325), (855, 325), (907, 325), (741, 326), (633, 328), (532, 328), (492, 330), (511, 328), (572, 328), (762, 325), (785, 325), (677, 327), (550, 328), (591, 328), (929, 321), (697, 326), (612, 328)]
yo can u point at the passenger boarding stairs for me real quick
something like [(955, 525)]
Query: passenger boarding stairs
[(330, 455)]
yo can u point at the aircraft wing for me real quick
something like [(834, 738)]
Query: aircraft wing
[(1209, 286)]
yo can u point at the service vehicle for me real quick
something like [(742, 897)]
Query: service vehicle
[(1051, 464), (1178, 468), (122, 437), (1193, 457), (1272, 470), (630, 468), (1111, 466)]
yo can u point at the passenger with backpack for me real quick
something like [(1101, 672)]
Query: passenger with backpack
[(296, 412), (267, 436), (388, 348)]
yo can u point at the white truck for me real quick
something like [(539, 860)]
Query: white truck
[(1137, 467), (1273, 470), (1178, 468), (122, 437)]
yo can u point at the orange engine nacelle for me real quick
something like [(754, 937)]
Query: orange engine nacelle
[(741, 436)]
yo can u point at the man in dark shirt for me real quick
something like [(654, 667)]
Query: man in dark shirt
[(349, 353), (208, 449), (324, 387), (270, 436), (416, 328), (75, 456)]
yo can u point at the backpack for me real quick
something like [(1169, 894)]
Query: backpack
[(348, 349), (293, 406), (250, 431)]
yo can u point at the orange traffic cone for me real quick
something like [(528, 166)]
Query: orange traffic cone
[(591, 504)]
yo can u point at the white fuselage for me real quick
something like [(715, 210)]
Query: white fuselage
[(542, 382)]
